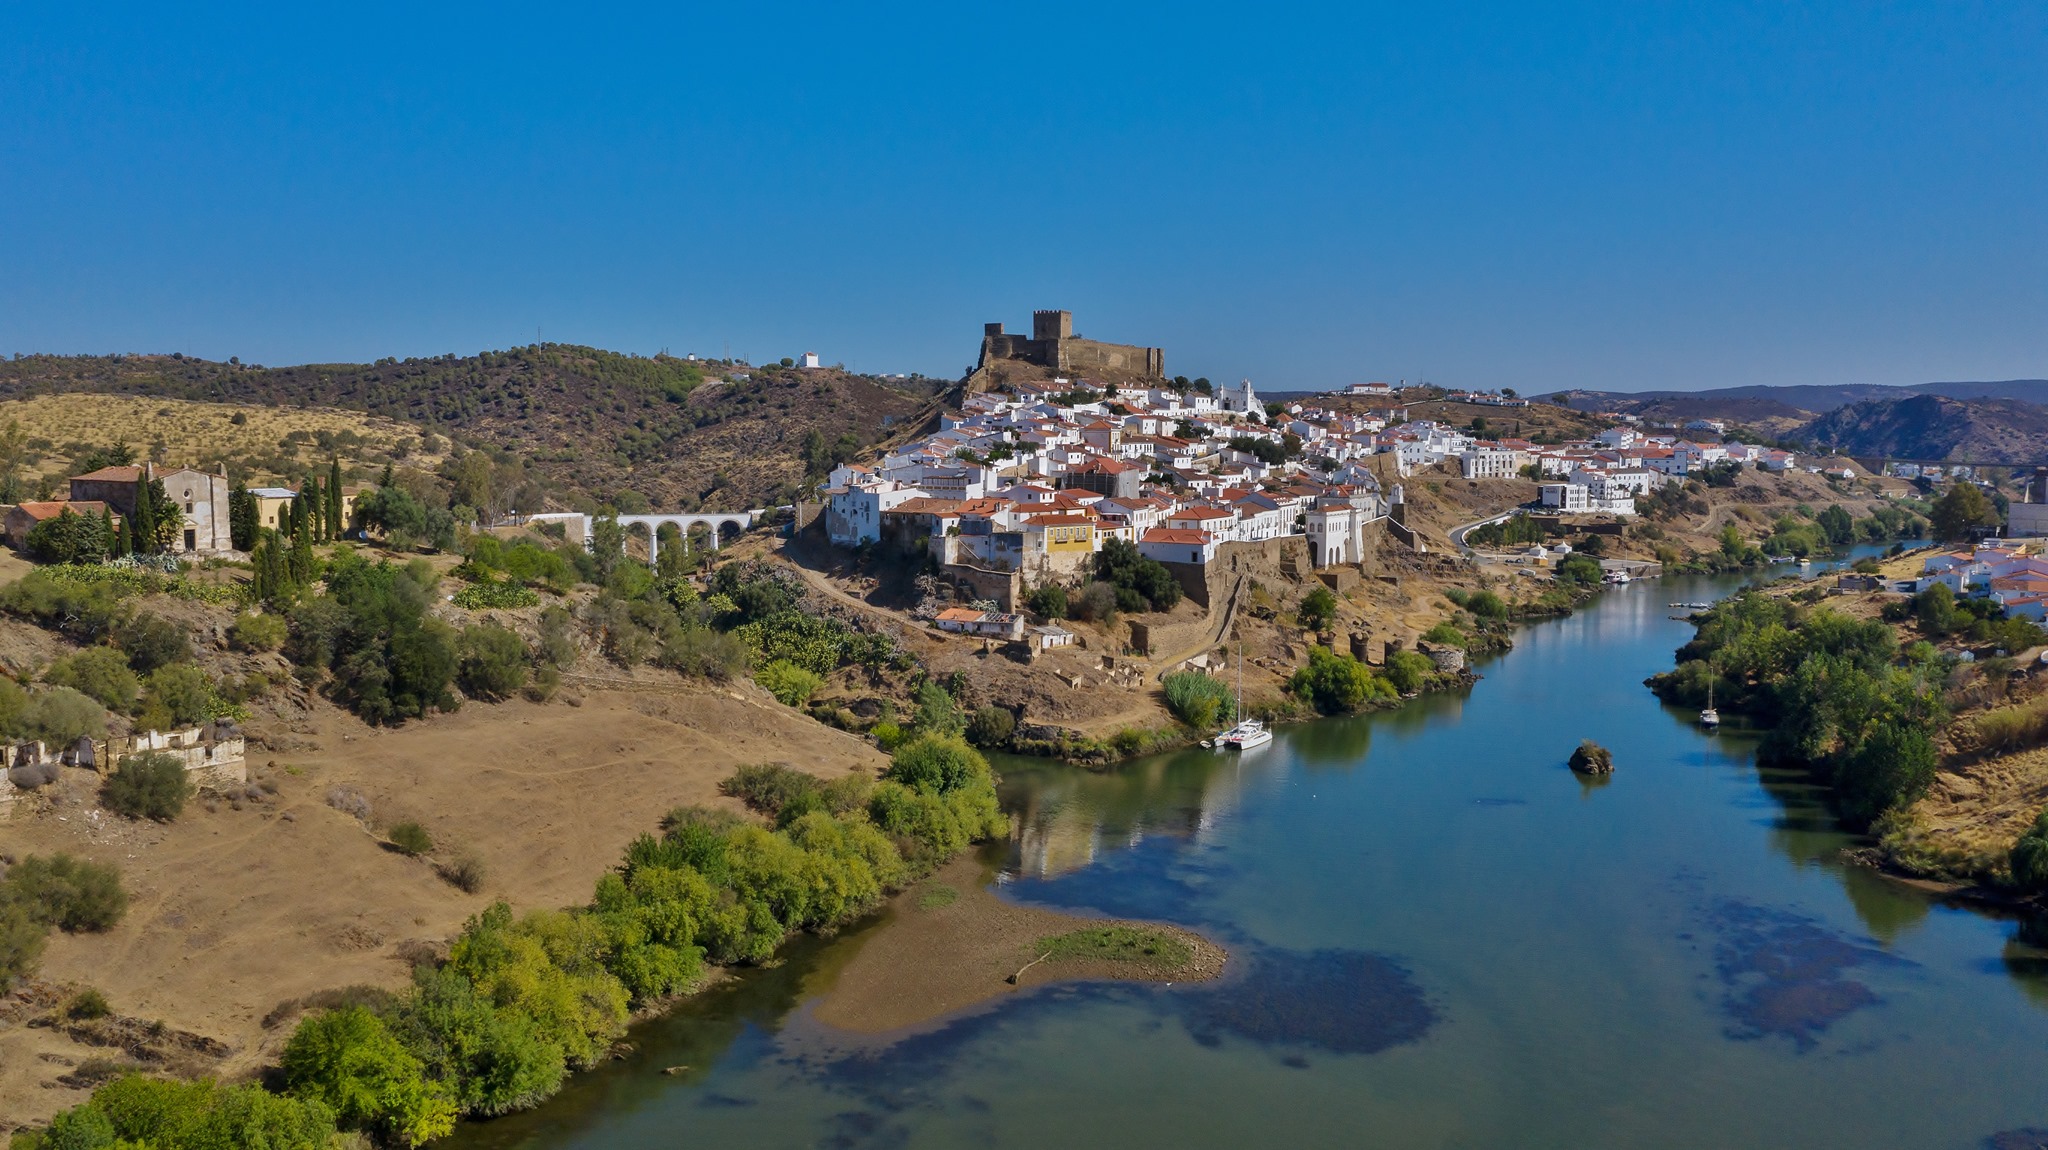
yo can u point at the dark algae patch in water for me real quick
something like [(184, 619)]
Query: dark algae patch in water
[(1785, 974), (1340, 1001)]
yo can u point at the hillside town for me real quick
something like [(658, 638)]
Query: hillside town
[(1036, 478)]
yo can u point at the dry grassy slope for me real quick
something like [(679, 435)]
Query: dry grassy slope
[(237, 911), (595, 422), (1541, 421), (201, 434)]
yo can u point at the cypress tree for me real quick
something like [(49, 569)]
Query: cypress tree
[(316, 507), (336, 526), (145, 516), (107, 532), (301, 558)]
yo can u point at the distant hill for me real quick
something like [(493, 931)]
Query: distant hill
[(684, 434), (1935, 427)]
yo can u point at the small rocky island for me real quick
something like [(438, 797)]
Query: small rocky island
[(1592, 759)]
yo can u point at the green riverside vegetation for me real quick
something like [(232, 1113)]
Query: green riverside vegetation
[(524, 999), (1834, 693)]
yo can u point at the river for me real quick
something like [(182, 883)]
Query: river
[(1441, 937)]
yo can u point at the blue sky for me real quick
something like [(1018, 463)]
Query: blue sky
[(1530, 195)]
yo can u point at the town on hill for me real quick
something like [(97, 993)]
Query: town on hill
[(425, 636)]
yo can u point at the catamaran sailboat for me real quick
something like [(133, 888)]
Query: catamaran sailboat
[(1248, 733), (1710, 717)]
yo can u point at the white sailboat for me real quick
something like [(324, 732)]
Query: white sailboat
[(1248, 733), (1710, 717)]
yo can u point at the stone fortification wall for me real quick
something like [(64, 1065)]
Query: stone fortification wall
[(1273, 562)]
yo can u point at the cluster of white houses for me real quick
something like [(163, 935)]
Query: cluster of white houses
[(1034, 482), (1607, 473)]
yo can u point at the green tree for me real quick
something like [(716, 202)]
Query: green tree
[(1337, 684), (349, 1060), (147, 786), (1048, 601), (2029, 859), (336, 526), (493, 662), (1962, 514), (1318, 609), (61, 716), (68, 537), (1838, 524), (244, 526), (99, 673), (789, 683), (66, 892)]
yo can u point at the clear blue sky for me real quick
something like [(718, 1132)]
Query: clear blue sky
[(1536, 195)]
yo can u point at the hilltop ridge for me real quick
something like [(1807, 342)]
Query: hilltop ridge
[(686, 434)]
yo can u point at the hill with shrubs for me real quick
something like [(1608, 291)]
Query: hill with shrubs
[(681, 434)]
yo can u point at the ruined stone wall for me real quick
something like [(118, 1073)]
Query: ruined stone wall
[(1085, 355), (1005, 587)]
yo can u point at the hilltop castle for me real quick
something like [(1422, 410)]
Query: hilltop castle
[(1054, 345)]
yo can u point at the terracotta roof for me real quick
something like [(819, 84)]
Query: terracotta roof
[(926, 505), (1177, 535), (1202, 513), (119, 474), (42, 509)]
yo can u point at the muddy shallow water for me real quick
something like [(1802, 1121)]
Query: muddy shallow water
[(1439, 937)]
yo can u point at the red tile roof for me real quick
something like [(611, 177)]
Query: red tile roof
[(1177, 535), (118, 474)]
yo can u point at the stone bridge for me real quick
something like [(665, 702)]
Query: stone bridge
[(719, 526)]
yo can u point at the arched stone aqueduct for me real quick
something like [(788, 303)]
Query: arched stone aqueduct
[(717, 523)]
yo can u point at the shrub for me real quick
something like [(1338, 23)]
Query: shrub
[(1096, 603), (1048, 601), (61, 716), (66, 892), (152, 642), (2029, 857), (706, 653), (464, 872), (937, 712), (1445, 633), (991, 727), (937, 764), (68, 537), (788, 682), (1198, 699), (1409, 670), (170, 1115), (87, 1004), (486, 594), (350, 1061), (22, 939), (1487, 605), (888, 734), (770, 788), (493, 662), (411, 838), (178, 696), (256, 632), (1337, 684), (1318, 609), (147, 786), (100, 674), (1583, 569)]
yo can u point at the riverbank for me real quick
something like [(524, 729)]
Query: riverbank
[(950, 945)]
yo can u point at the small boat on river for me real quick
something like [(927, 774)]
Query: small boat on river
[(1710, 718), (1248, 733)]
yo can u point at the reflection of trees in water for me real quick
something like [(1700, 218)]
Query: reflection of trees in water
[(696, 1036), (1063, 817), (2026, 958)]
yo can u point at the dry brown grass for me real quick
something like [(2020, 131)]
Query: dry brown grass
[(183, 432)]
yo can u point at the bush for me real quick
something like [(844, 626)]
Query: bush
[(1096, 603), (487, 594), (1487, 605), (152, 642), (201, 1115), (69, 893), (68, 537), (1409, 670), (1318, 609), (61, 716), (788, 682), (350, 1061), (1048, 601), (771, 788), (1338, 684), (1140, 583), (147, 786), (2030, 856), (706, 653), (411, 838), (464, 872), (1581, 569), (100, 674), (1445, 633), (22, 939), (1200, 700), (991, 727), (938, 713), (493, 662), (937, 764), (178, 697), (254, 632), (87, 1004)]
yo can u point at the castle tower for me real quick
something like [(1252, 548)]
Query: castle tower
[(1048, 325)]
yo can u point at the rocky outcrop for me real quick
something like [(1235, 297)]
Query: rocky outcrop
[(1592, 759)]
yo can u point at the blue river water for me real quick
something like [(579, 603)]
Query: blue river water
[(1441, 937)]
